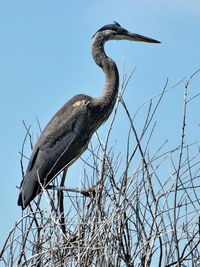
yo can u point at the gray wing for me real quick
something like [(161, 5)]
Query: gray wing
[(63, 140)]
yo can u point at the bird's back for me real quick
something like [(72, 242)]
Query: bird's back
[(64, 139)]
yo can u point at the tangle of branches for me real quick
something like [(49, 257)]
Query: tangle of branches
[(141, 208)]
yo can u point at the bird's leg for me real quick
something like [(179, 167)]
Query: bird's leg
[(61, 202), (88, 192)]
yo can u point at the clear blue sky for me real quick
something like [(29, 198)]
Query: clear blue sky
[(45, 59)]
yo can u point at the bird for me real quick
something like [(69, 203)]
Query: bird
[(68, 133)]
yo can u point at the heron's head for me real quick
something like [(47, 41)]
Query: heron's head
[(117, 32)]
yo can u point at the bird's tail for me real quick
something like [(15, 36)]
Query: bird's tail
[(28, 190), (20, 202)]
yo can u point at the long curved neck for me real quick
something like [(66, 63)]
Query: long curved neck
[(109, 95)]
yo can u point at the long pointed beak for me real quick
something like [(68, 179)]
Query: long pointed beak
[(140, 38)]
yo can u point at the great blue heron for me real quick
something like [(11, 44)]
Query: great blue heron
[(68, 133)]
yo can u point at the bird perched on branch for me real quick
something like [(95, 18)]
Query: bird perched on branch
[(68, 133)]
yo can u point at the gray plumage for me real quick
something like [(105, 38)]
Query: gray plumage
[(68, 133)]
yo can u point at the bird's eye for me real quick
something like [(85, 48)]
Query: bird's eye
[(124, 31)]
